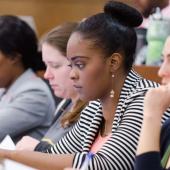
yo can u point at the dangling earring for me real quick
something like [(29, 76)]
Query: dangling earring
[(112, 91)]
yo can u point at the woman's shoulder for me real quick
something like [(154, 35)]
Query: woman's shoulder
[(137, 85), (29, 81), (91, 109), (92, 106), (143, 83)]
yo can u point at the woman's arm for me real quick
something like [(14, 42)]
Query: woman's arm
[(38, 160), (150, 134)]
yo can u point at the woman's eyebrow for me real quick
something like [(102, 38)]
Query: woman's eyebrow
[(77, 57)]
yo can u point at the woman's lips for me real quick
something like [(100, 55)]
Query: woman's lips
[(77, 86), (165, 81), (54, 86)]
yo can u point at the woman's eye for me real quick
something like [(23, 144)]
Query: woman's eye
[(80, 65), (55, 66)]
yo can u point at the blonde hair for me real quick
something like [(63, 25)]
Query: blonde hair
[(72, 116), (59, 36)]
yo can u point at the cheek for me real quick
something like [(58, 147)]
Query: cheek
[(5, 73), (63, 75), (89, 77), (164, 72), (94, 79)]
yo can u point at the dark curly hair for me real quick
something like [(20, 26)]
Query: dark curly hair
[(18, 38)]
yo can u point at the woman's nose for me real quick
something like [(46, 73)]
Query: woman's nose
[(48, 74), (73, 74)]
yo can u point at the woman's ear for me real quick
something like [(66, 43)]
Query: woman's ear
[(115, 61)]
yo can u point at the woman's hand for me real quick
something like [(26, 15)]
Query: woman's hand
[(27, 143), (157, 100)]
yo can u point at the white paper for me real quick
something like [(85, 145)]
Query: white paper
[(7, 143)]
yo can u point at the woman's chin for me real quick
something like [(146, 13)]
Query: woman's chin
[(58, 94), (86, 98)]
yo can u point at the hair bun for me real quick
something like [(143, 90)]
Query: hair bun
[(124, 13)]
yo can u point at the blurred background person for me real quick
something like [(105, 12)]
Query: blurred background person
[(153, 31), (26, 103)]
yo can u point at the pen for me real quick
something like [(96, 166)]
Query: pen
[(89, 156)]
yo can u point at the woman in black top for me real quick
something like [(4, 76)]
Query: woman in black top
[(150, 149)]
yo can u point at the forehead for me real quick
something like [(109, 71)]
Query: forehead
[(51, 53), (77, 39), (78, 45), (144, 1)]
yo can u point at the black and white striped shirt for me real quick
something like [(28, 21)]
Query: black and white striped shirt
[(118, 153)]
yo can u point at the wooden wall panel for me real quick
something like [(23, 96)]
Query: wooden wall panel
[(49, 13)]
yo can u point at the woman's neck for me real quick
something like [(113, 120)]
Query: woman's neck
[(16, 72), (108, 108), (109, 105)]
